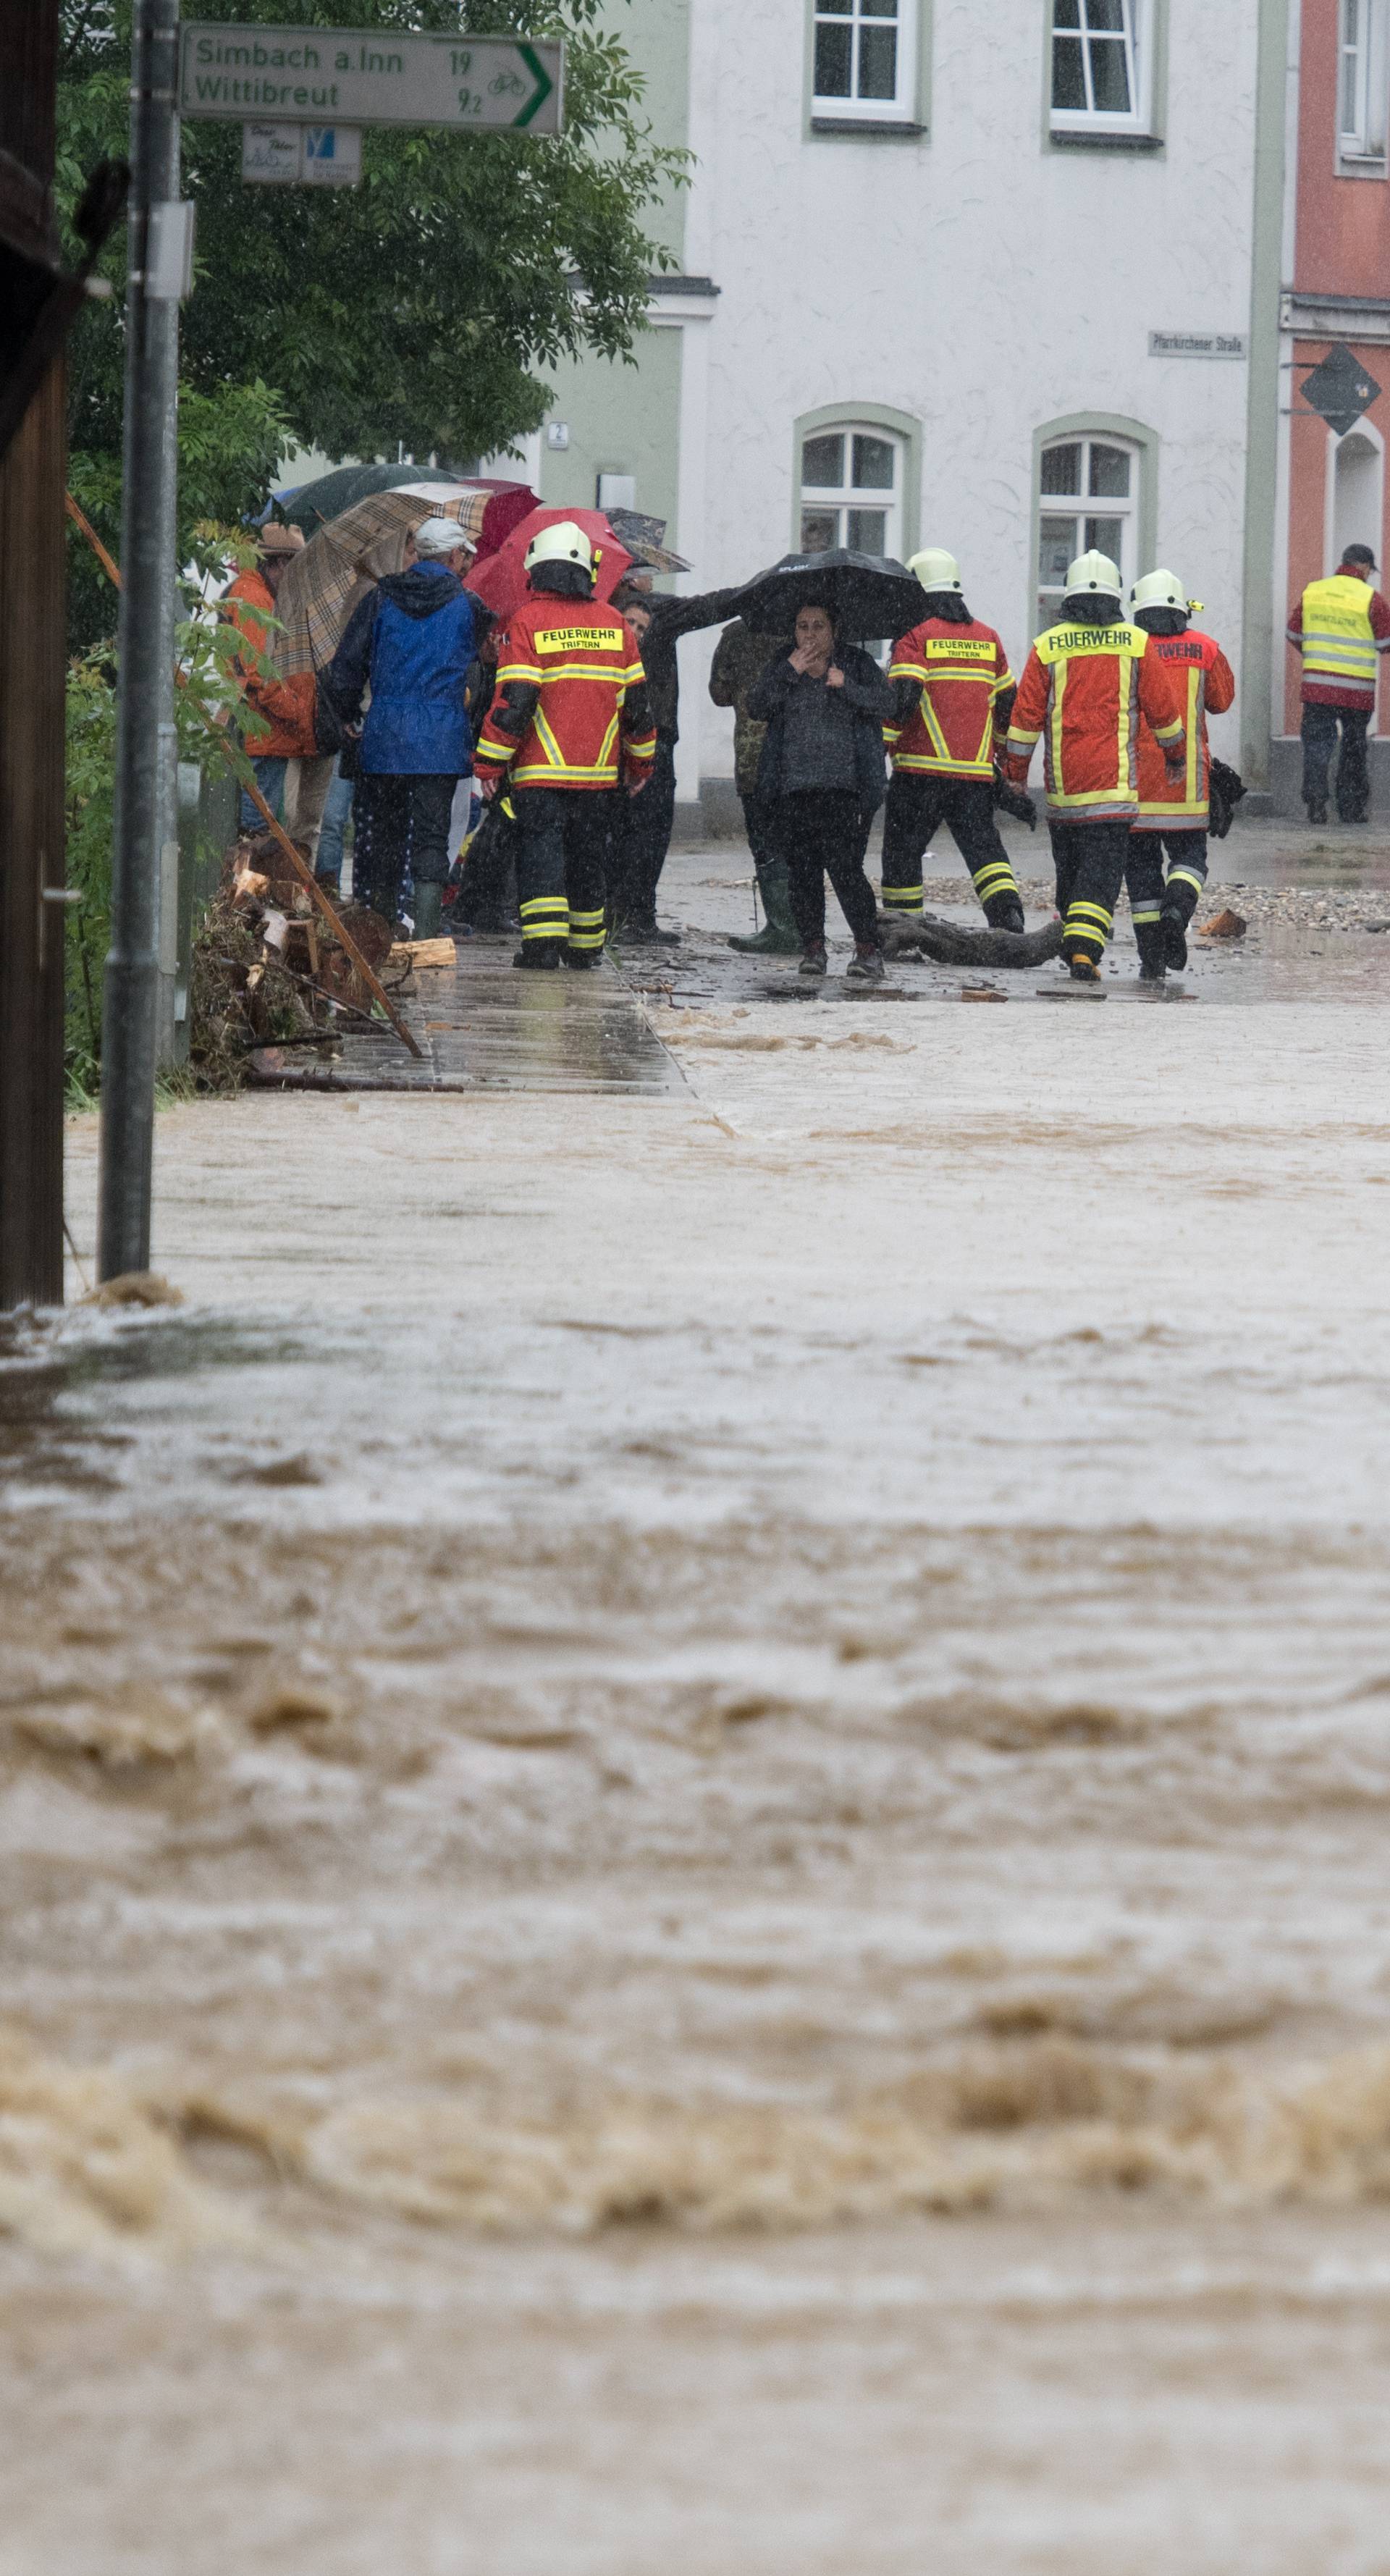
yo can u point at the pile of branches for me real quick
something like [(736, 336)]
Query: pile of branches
[(268, 971)]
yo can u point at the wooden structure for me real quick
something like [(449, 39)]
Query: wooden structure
[(32, 566)]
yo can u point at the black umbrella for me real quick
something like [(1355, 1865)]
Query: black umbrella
[(867, 595), (314, 504)]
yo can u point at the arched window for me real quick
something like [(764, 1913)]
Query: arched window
[(1358, 472), (1088, 495), (852, 490)]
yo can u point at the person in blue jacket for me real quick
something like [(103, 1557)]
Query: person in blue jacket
[(410, 642)]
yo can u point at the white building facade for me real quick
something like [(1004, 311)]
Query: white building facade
[(999, 275)]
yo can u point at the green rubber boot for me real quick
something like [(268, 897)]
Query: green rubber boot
[(779, 936), (429, 917)]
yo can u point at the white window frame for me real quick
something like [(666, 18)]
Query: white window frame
[(1363, 78), (1090, 505), (901, 108), (849, 496), (1139, 44)]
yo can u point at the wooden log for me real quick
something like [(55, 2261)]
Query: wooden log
[(949, 943)]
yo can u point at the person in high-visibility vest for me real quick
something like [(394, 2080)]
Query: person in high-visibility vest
[(1089, 680), (1340, 626), (952, 695), (569, 714), (1173, 810)]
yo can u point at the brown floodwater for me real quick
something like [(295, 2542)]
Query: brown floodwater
[(692, 1808)]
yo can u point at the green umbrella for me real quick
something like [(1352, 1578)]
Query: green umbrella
[(314, 504)]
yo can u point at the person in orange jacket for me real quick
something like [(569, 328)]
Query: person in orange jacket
[(953, 693), (1173, 811), (569, 713), (286, 705), (1088, 682)]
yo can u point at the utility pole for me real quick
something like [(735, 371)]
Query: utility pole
[(32, 576), (160, 248)]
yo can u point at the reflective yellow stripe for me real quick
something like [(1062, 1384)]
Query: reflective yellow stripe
[(1195, 679), (1186, 876), (1057, 692)]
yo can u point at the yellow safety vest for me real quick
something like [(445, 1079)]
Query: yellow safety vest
[(1338, 640)]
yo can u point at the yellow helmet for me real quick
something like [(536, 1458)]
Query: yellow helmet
[(1094, 572), (935, 569)]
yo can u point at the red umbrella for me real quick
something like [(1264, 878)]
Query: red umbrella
[(501, 582), (509, 503)]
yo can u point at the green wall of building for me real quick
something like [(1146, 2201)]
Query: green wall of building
[(621, 420)]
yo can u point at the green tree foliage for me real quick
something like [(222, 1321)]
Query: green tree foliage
[(207, 688), (415, 309)]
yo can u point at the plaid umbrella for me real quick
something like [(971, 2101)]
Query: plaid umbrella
[(645, 540), (324, 584)]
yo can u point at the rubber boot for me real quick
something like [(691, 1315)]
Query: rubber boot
[(538, 957), (429, 917), (778, 936), (1174, 942), (1005, 912), (1153, 951)]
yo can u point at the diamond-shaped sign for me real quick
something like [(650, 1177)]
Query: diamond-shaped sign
[(1341, 389)]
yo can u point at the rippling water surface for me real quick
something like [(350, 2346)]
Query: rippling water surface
[(693, 1800)]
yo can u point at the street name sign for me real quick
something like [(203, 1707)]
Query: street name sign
[(1199, 344), (337, 76), (303, 156)]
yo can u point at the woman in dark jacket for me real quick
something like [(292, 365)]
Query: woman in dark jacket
[(821, 776)]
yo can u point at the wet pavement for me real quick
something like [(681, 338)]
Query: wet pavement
[(482, 1026)]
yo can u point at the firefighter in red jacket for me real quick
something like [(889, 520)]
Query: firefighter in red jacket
[(952, 695), (1088, 682), (568, 713), (1173, 810)]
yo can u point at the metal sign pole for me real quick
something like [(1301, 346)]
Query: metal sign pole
[(156, 277)]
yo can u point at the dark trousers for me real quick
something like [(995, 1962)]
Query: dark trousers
[(642, 827), (398, 824), (759, 813), (1090, 861), (825, 834), (1151, 896), (917, 805), (1353, 776), (487, 888), (561, 854)]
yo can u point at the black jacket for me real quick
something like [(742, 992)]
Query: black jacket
[(672, 618), (861, 708)]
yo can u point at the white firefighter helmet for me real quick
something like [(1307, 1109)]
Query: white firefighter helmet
[(935, 569), (563, 542), (1160, 590), (1095, 575)]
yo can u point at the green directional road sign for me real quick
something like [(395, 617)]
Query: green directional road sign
[(369, 76)]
